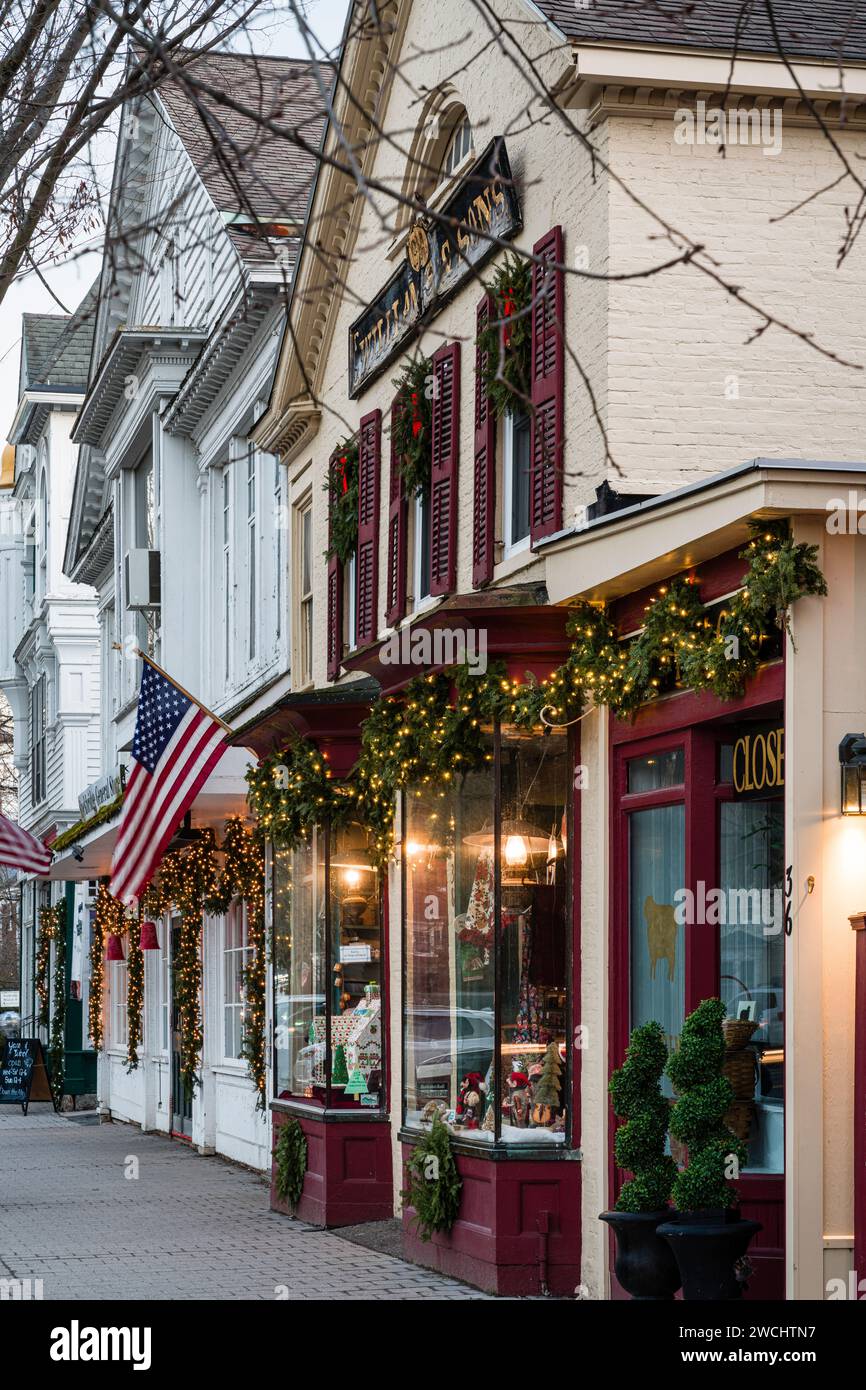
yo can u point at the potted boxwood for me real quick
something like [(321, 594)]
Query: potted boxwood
[(645, 1266), (707, 1235)]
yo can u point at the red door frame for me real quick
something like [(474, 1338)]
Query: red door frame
[(859, 925), (762, 1196)]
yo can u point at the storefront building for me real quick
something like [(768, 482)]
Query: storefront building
[(565, 882)]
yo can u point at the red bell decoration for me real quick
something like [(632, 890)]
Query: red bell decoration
[(149, 940), (114, 949)]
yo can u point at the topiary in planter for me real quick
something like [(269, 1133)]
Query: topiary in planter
[(703, 1097), (640, 1142)]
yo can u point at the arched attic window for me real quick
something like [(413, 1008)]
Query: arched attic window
[(460, 144), (443, 141)]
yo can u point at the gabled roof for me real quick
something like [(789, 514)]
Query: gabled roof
[(55, 348), (830, 29), (252, 170)]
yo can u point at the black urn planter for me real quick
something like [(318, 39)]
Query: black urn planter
[(644, 1266), (707, 1246)]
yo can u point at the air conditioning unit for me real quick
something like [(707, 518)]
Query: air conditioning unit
[(142, 573)]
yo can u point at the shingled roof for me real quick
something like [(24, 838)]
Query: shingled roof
[(252, 170), (828, 29), (55, 348)]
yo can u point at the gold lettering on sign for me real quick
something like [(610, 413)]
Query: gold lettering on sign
[(758, 763)]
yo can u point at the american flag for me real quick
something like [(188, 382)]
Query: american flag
[(21, 850), (176, 746)]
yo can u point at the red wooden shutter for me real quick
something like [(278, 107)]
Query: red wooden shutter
[(334, 595), (443, 474), (367, 561), (548, 357), (484, 478), (396, 598)]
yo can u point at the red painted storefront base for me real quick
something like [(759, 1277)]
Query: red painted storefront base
[(348, 1177), (518, 1231)]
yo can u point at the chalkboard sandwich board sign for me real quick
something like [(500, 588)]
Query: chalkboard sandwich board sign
[(24, 1074)]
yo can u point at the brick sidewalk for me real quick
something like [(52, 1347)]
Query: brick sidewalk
[(185, 1227)]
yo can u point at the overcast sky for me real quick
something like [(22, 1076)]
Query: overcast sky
[(273, 33)]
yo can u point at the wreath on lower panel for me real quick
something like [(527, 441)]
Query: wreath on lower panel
[(290, 1160), (433, 1184)]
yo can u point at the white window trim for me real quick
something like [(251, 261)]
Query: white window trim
[(350, 578), (509, 547), (235, 1063), (300, 508), (420, 602)]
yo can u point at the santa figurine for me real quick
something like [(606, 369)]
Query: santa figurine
[(469, 1099)]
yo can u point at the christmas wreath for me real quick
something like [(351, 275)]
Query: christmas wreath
[(505, 344), (341, 486), (412, 424)]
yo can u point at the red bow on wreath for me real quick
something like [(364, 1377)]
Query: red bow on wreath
[(417, 423)]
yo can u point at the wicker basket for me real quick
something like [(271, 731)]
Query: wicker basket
[(739, 1068), (739, 1118), (738, 1032)]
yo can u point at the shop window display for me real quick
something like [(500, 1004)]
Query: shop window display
[(327, 971), (487, 896)]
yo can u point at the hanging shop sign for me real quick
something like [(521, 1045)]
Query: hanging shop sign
[(441, 253), (101, 793), (759, 763)]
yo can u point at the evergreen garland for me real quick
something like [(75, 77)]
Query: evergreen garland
[(433, 1183), (108, 917), (244, 877), (134, 989), (47, 928), (505, 345), (412, 426), (290, 1160), (189, 879), (57, 1041), (341, 486), (429, 733)]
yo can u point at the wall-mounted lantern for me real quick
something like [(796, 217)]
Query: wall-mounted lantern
[(852, 757)]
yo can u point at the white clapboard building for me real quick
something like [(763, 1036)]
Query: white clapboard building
[(176, 516)]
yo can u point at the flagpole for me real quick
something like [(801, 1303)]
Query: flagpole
[(118, 647)]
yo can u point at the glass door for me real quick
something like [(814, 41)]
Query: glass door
[(698, 911)]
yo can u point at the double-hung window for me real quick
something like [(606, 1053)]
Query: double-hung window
[(304, 581), (516, 470), (38, 726), (226, 571), (119, 1010), (236, 956), (252, 543)]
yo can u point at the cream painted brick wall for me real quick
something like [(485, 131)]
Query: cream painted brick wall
[(554, 186), (674, 339)]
